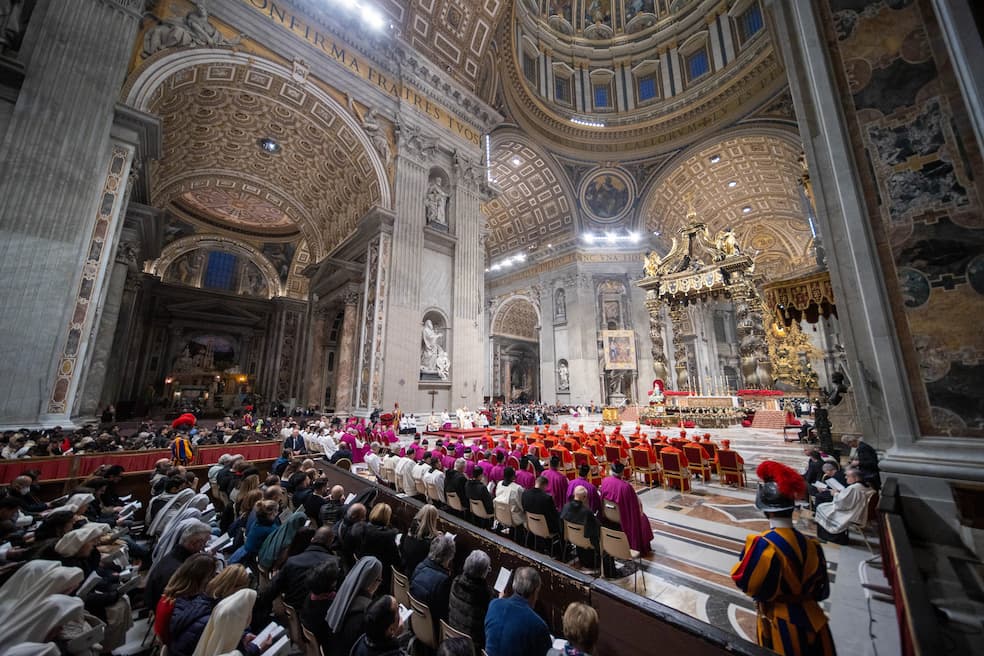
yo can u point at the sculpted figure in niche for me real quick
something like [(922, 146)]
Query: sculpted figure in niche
[(13, 21), (433, 358), (560, 305), (437, 204), (193, 30), (564, 376)]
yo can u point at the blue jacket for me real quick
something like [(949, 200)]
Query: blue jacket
[(512, 628), (431, 584), (188, 621)]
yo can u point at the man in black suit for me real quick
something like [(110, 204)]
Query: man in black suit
[(577, 512), (537, 500), (475, 490), (343, 452), (295, 443), (455, 481), (865, 459)]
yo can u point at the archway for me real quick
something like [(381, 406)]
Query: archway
[(515, 339)]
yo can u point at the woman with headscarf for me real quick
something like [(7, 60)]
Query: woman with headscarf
[(33, 582), (77, 548), (174, 505), (346, 614), (225, 629), (44, 622)]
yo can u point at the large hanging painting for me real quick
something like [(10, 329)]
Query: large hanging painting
[(619, 349), (607, 195)]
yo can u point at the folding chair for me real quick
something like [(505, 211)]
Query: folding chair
[(616, 544), (455, 502), (345, 464), (311, 646), (536, 525), (574, 534), (610, 512), (477, 509), (503, 515), (401, 587), (447, 631), (422, 623), (870, 508)]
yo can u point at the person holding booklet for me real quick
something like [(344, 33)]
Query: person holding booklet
[(848, 506), (831, 480)]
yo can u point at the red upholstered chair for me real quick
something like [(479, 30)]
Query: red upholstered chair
[(512, 461), (698, 461), (643, 465), (710, 447), (674, 471), (566, 468), (549, 442), (731, 469), (613, 454)]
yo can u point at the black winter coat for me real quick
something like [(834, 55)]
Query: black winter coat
[(466, 612)]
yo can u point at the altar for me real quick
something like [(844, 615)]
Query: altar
[(718, 411)]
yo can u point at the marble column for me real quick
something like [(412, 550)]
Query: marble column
[(468, 322), (101, 351), (61, 184), (507, 378), (346, 353), (318, 343), (123, 360)]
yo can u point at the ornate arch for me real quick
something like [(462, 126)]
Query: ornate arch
[(517, 316), (217, 104), (179, 247)]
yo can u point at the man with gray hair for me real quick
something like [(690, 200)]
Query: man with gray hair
[(470, 597), (430, 583), (193, 538), (511, 624), (455, 481), (850, 505)]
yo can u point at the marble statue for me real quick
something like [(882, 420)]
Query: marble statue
[(560, 305), (376, 136), (433, 358), (564, 376), (193, 30), (437, 204)]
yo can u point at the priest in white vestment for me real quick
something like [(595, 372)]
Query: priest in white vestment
[(850, 505)]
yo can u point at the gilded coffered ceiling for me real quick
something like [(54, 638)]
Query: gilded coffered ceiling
[(532, 208), (214, 115), (454, 34), (750, 183)]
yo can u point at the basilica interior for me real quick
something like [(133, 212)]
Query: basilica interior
[(438, 204)]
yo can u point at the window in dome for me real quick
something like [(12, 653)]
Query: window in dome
[(646, 88), (603, 96), (562, 90), (220, 273), (749, 23), (697, 65), (529, 69)]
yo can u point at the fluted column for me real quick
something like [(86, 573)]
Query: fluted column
[(468, 323), (122, 361), (61, 185)]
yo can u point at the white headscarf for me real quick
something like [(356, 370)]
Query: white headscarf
[(172, 535), (47, 616), (19, 588), (33, 649), (226, 625), (72, 542), (174, 505), (49, 581)]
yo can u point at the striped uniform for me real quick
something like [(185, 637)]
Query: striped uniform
[(181, 451), (786, 574)]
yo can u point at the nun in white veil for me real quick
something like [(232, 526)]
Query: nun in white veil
[(32, 649), (174, 505), (45, 621), (227, 624)]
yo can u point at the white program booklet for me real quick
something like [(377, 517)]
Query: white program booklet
[(405, 614), (349, 499), (205, 488), (834, 484), (280, 647), (272, 631), (502, 580)]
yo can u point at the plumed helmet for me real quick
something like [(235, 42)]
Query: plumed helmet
[(779, 488)]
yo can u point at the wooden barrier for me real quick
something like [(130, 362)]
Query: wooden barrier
[(629, 624), (82, 465)]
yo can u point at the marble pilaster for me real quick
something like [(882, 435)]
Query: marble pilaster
[(346, 353), (57, 152)]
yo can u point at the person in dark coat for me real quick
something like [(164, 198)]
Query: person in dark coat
[(865, 459), (346, 615), (377, 538), (470, 597), (348, 533), (540, 502), (511, 624), (416, 542), (334, 507), (382, 622), (431, 581), (343, 452), (813, 470), (322, 583), (455, 481), (291, 579), (188, 620), (193, 539), (475, 490), (577, 512), (314, 501)]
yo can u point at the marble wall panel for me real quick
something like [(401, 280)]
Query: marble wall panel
[(922, 173), (435, 283)]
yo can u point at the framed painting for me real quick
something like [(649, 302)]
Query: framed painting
[(619, 349)]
